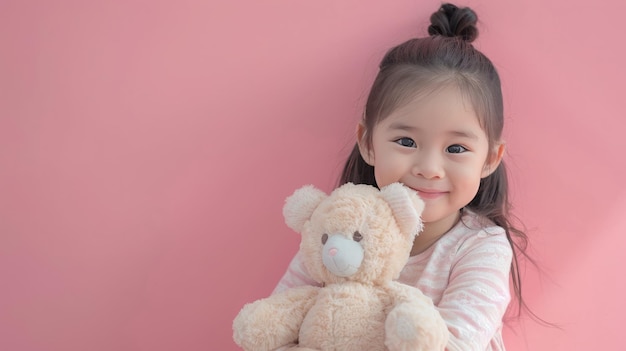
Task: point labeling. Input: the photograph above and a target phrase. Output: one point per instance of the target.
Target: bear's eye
(357, 236)
(324, 238)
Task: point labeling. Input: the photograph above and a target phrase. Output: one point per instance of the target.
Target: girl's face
(436, 146)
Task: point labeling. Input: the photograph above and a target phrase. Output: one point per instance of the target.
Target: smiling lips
(429, 193)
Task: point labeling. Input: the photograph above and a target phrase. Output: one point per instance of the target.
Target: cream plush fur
(355, 242)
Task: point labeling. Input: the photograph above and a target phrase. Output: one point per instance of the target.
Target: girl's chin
(430, 218)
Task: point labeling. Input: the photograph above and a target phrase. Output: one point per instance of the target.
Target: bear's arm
(275, 321)
(413, 322)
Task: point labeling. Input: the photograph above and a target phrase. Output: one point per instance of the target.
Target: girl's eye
(456, 149)
(406, 142)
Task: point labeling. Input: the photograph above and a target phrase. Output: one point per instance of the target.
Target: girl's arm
(296, 275)
(475, 301)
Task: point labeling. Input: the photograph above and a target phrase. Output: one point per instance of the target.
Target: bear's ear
(300, 206)
(406, 207)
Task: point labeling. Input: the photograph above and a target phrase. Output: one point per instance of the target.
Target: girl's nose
(428, 165)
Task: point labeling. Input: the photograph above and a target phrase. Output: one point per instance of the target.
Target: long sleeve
(477, 295)
(296, 275)
(466, 274)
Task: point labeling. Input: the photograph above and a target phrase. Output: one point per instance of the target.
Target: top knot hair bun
(452, 21)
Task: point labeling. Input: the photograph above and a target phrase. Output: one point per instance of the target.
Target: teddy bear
(354, 242)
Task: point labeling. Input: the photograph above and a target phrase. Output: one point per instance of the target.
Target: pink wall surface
(146, 149)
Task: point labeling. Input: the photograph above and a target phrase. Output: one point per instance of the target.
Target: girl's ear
(494, 159)
(364, 148)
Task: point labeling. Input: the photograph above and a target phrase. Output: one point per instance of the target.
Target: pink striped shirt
(466, 273)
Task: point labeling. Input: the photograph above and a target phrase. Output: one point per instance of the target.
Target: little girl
(433, 121)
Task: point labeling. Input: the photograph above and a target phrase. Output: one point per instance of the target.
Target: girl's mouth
(429, 193)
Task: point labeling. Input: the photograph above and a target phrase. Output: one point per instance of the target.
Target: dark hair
(446, 56)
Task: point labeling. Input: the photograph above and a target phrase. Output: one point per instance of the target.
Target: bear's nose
(342, 256)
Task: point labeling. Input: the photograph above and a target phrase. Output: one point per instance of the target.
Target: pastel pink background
(146, 148)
